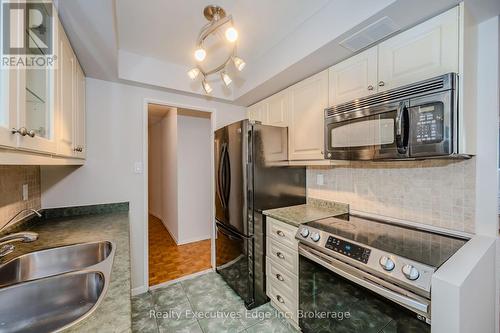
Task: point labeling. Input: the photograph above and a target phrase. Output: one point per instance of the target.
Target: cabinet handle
(280, 299)
(279, 277)
(31, 133)
(22, 131)
(280, 255)
(280, 233)
(78, 149)
(381, 84)
(370, 87)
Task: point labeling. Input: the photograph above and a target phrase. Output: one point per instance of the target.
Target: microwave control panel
(350, 250)
(429, 123)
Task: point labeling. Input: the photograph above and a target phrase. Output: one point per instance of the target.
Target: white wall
(154, 170)
(115, 129)
(194, 175)
(169, 181)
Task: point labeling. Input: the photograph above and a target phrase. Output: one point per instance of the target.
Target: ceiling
(283, 41)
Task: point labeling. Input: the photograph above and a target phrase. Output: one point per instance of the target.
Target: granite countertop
(114, 313)
(315, 209)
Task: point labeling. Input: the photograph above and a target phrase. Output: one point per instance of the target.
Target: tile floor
(203, 304)
(169, 261)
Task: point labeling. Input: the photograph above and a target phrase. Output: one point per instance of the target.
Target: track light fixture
(217, 20)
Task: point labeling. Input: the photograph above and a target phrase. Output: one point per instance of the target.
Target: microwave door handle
(402, 128)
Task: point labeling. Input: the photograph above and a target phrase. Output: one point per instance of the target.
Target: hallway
(169, 261)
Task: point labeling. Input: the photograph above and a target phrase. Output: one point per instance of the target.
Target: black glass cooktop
(422, 246)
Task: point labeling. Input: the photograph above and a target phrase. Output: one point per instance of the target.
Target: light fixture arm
(212, 27)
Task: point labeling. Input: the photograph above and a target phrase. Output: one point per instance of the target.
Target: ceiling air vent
(370, 34)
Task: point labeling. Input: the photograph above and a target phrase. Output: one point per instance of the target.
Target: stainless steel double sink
(52, 289)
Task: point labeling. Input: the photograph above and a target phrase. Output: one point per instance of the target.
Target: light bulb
(239, 63)
(200, 54)
(193, 73)
(231, 34)
(208, 89)
(226, 78)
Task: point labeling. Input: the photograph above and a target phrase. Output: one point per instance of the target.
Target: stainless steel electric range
(363, 275)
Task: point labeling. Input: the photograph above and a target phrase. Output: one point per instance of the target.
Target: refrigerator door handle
(230, 233)
(220, 178)
(226, 176)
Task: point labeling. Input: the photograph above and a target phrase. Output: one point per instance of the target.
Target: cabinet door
(427, 50)
(66, 97)
(308, 99)
(79, 116)
(353, 78)
(37, 105)
(277, 113)
(258, 112)
(8, 107)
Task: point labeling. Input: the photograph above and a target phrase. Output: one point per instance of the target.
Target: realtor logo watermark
(28, 34)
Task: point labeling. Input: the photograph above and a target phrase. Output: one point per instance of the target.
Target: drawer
(282, 300)
(283, 255)
(283, 278)
(282, 232)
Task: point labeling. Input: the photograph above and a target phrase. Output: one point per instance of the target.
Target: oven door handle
(411, 303)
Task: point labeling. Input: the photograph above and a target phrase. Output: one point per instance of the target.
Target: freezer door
(234, 261)
(231, 169)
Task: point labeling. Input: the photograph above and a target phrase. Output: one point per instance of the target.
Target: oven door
(336, 297)
(379, 132)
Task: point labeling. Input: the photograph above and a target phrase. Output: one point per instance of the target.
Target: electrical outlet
(25, 192)
(138, 167)
(320, 179)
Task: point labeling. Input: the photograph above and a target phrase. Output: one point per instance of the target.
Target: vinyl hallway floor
(169, 261)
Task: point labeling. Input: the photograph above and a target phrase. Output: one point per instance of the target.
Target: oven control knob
(386, 263)
(315, 236)
(304, 232)
(410, 272)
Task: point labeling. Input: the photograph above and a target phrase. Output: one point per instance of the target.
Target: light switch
(138, 167)
(25, 192)
(320, 179)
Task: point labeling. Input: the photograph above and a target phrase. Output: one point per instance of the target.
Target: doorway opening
(179, 193)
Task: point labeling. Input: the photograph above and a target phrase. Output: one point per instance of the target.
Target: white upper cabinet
(67, 98)
(277, 110)
(8, 112)
(353, 78)
(427, 50)
(79, 149)
(258, 112)
(308, 100)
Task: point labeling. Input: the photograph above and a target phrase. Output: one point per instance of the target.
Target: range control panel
(350, 250)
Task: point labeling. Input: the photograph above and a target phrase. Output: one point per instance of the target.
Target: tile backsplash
(12, 179)
(435, 192)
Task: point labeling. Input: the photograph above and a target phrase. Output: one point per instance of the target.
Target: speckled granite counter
(114, 313)
(315, 209)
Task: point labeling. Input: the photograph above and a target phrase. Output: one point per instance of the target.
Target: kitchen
(320, 162)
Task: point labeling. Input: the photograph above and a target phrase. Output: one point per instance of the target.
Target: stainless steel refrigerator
(249, 178)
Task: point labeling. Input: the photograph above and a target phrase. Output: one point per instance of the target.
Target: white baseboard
(194, 239)
(183, 278)
(139, 290)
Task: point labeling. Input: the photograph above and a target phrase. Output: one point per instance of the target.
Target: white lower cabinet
(282, 259)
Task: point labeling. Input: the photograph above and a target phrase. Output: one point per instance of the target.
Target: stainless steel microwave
(415, 121)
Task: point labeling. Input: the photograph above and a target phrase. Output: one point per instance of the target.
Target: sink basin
(50, 304)
(53, 261)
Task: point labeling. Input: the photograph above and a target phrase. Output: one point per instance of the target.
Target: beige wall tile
(11, 180)
(434, 192)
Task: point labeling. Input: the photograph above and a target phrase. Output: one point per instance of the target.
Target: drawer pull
(280, 255)
(280, 299)
(280, 233)
(279, 277)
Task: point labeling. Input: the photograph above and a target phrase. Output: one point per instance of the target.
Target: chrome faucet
(24, 236)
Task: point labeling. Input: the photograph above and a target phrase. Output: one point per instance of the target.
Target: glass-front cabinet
(42, 107)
